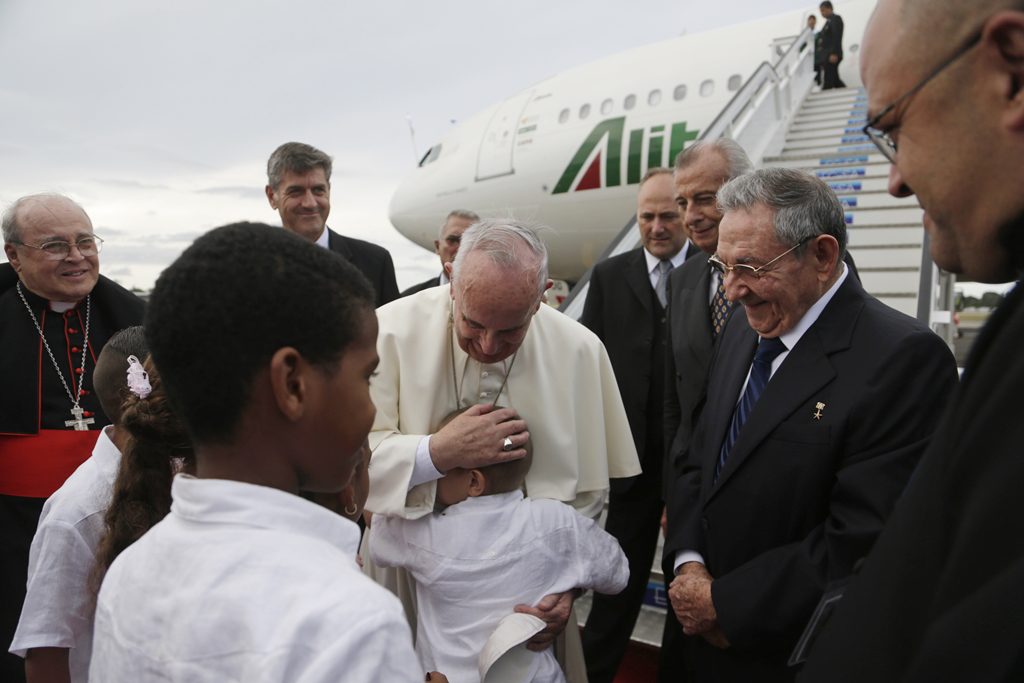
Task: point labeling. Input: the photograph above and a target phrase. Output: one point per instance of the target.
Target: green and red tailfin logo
(598, 161)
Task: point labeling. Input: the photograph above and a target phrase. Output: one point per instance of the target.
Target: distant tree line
(989, 300)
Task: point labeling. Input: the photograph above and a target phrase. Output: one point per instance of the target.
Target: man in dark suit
(820, 401)
(830, 42)
(697, 306)
(626, 308)
(299, 189)
(446, 246)
(939, 598)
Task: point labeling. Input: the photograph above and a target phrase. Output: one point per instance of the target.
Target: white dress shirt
(59, 602)
(247, 583)
(474, 562)
(653, 262)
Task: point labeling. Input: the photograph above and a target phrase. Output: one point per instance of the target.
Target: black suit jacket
(690, 343)
(620, 311)
(372, 260)
(940, 597)
(830, 39)
(801, 499)
(426, 284)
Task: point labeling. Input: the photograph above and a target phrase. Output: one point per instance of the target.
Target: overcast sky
(159, 117)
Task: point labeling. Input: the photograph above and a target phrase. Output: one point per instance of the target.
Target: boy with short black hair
(265, 344)
(55, 630)
(489, 549)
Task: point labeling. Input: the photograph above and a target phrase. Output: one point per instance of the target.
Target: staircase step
(884, 236)
(896, 256)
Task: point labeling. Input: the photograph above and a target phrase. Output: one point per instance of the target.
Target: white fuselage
(569, 151)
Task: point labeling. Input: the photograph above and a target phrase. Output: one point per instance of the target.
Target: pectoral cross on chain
(80, 423)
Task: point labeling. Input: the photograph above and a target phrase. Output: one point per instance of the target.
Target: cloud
(241, 191)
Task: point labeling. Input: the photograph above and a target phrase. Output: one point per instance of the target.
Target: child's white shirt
(59, 602)
(247, 583)
(474, 562)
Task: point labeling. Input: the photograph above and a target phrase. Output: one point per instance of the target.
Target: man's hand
(833, 59)
(475, 438)
(690, 595)
(553, 610)
(664, 522)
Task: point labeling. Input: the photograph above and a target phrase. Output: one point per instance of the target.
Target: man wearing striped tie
(820, 400)
(626, 309)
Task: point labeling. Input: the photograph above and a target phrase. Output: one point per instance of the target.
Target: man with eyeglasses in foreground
(820, 401)
(940, 596)
(56, 313)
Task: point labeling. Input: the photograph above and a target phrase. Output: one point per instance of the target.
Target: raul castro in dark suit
(820, 401)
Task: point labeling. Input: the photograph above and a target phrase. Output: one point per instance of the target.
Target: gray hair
(651, 172)
(508, 244)
(459, 213)
(296, 157)
(736, 159)
(802, 206)
(9, 222)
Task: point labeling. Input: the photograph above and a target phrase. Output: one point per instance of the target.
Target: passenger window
(735, 81)
(606, 106)
(584, 111)
(679, 93)
(629, 102)
(654, 99)
(707, 88)
(563, 116)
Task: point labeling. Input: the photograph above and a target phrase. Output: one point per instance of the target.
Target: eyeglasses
(58, 250)
(883, 138)
(743, 269)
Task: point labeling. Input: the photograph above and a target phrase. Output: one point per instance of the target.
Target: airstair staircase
(886, 240)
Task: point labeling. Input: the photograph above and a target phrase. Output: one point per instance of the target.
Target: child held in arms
(485, 549)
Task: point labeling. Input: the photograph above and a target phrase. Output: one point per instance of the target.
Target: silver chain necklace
(79, 423)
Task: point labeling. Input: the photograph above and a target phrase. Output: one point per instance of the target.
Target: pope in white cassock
(526, 370)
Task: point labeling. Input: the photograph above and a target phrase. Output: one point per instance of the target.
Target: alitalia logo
(598, 161)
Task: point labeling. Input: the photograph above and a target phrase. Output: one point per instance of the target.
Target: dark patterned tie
(720, 308)
(661, 286)
(760, 372)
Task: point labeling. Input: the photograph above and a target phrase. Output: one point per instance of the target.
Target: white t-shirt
(59, 604)
(477, 560)
(247, 583)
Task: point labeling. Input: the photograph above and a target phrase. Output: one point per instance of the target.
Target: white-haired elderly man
(524, 370)
(56, 313)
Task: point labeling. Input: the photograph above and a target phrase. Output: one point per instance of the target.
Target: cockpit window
(431, 156)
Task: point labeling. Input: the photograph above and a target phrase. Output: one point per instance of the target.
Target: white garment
(477, 560)
(59, 603)
(561, 383)
(247, 583)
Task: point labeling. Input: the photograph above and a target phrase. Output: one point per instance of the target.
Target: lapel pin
(819, 407)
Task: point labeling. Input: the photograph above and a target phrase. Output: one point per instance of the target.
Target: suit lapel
(697, 314)
(336, 243)
(804, 371)
(638, 278)
(738, 345)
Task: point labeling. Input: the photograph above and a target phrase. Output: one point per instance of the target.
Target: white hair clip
(138, 378)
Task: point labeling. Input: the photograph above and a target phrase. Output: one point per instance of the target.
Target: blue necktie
(760, 373)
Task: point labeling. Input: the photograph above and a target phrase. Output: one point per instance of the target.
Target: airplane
(569, 151)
